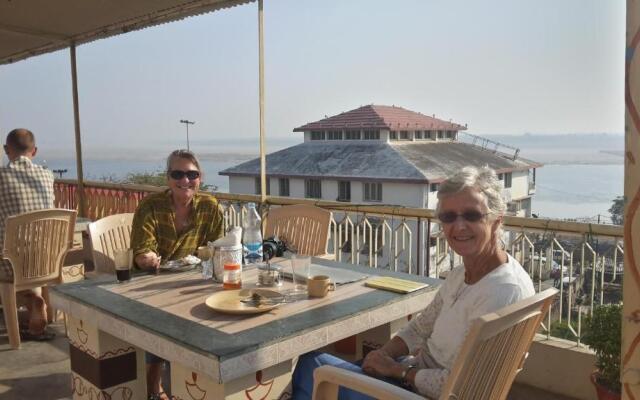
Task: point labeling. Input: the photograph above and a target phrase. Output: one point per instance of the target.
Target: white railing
(584, 261)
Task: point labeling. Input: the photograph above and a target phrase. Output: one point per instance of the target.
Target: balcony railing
(584, 261)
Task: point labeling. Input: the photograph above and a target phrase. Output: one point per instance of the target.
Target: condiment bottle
(232, 276)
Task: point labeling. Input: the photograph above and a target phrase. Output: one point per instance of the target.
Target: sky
(501, 66)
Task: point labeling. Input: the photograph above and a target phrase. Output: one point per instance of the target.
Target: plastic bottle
(252, 236)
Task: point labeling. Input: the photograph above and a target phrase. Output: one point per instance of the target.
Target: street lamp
(186, 122)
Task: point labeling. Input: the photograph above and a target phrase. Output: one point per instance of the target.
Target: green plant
(156, 178)
(603, 331)
(561, 330)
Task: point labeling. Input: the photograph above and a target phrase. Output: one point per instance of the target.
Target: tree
(617, 210)
(157, 178)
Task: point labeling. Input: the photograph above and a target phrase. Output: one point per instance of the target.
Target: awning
(32, 27)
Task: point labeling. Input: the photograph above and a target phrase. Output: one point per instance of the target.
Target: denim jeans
(302, 384)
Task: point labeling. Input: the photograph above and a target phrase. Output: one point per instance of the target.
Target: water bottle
(252, 236)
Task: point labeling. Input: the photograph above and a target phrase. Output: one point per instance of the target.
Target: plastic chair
(107, 235)
(304, 228)
(492, 354)
(35, 244)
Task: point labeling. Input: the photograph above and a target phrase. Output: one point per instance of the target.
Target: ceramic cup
(319, 286)
(203, 253)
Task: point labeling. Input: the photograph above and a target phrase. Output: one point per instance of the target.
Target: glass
(123, 259)
(269, 275)
(300, 269)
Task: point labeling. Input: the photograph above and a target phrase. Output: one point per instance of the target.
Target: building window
(352, 135)
(372, 135)
(312, 189)
(393, 135)
(283, 189)
(500, 177)
(417, 134)
(440, 134)
(317, 135)
(334, 135)
(404, 135)
(344, 191)
(434, 187)
(451, 134)
(427, 134)
(507, 180)
(372, 191)
(257, 185)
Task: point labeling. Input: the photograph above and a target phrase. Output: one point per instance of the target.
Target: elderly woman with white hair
(470, 209)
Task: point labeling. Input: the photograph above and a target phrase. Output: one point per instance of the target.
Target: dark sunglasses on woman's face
(450, 217)
(177, 174)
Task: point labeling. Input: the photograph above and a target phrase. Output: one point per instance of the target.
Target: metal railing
(584, 261)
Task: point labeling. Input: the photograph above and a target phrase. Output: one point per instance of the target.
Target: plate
(228, 301)
(183, 264)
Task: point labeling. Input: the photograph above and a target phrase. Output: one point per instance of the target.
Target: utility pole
(186, 122)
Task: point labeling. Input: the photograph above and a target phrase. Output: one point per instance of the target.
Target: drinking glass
(123, 259)
(301, 269)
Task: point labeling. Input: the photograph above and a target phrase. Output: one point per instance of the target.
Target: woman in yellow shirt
(171, 225)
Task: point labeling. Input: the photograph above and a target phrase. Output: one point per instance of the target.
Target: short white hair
(484, 180)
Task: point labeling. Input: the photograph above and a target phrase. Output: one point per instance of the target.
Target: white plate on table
(183, 264)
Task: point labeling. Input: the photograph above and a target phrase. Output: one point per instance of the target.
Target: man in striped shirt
(24, 187)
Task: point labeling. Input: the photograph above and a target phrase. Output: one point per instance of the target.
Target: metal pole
(186, 122)
(263, 180)
(428, 240)
(76, 121)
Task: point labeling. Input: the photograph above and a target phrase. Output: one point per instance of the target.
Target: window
(344, 191)
(372, 191)
(352, 135)
(440, 134)
(404, 135)
(507, 180)
(334, 135)
(317, 135)
(372, 135)
(283, 189)
(427, 134)
(500, 177)
(257, 185)
(434, 187)
(417, 134)
(451, 134)
(312, 189)
(393, 135)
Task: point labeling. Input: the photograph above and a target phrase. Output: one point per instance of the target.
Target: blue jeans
(302, 384)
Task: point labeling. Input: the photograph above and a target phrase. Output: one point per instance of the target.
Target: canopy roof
(33, 27)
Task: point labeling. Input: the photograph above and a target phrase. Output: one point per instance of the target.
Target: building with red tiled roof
(383, 154)
(391, 118)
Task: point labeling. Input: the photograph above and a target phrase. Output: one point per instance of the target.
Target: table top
(168, 311)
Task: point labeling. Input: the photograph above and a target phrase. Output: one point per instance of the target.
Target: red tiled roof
(381, 117)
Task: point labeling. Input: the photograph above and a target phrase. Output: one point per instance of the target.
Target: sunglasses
(191, 175)
(450, 217)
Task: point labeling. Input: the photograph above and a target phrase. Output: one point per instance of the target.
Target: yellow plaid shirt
(153, 226)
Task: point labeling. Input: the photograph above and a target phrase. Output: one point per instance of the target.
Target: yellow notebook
(395, 284)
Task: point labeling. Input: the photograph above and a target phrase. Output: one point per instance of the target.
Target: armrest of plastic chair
(327, 256)
(327, 379)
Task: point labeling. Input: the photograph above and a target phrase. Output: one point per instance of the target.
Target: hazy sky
(501, 66)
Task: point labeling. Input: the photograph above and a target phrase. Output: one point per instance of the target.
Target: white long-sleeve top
(437, 333)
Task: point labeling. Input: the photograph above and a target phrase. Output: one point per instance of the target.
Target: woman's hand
(379, 363)
(148, 261)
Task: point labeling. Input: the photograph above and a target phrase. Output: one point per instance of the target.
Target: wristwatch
(403, 376)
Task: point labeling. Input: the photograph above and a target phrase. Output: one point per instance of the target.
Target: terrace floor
(40, 370)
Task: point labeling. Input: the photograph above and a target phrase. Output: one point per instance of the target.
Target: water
(581, 176)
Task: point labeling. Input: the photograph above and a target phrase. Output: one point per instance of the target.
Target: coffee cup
(319, 286)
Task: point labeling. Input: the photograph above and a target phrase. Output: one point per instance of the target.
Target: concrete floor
(40, 370)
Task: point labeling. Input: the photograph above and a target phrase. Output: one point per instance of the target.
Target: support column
(76, 123)
(631, 286)
(103, 366)
(263, 180)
